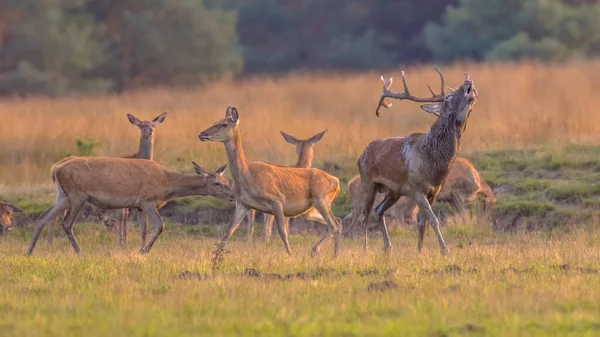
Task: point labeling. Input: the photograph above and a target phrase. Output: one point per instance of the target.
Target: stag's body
(6, 211)
(415, 166)
(305, 151)
(145, 151)
(463, 184)
(277, 190)
(115, 183)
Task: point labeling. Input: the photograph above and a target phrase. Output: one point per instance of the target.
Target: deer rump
(287, 184)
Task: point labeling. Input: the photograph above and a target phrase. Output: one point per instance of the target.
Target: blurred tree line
(55, 47)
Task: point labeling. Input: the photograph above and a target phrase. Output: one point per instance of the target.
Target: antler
(406, 94)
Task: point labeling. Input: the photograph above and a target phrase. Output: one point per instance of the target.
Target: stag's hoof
(444, 251)
(144, 251)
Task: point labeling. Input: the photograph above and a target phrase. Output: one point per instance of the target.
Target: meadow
(533, 134)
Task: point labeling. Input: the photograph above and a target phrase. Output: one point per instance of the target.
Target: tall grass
(522, 104)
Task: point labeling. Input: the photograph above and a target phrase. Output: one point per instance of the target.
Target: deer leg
(68, 222)
(389, 200)
(51, 225)
(251, 214)
(277, 209)
(369, 199)
(421, 222)
(59, 206)
(143, 223)
(425, 207)
(268, 226)
(335, 227)
(154, 218)
(123, 226)
(238, 216)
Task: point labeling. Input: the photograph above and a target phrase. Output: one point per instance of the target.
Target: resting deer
(415, 166)
(115, 183)
(277, 190)
(6, 211)
(305, 151)
(463, 184)
(145, 151)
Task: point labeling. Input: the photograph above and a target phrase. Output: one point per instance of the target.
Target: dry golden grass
(520, 105)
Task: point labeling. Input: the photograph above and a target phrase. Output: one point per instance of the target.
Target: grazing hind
(415, 166)
(115, 183)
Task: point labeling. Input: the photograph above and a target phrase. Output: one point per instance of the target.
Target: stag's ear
(221, 169)
(316, 137)
(11, 208)
(288, 138)
(199, 169)
(234, 115)
(160, 118)
(432, 108)
(134, 120)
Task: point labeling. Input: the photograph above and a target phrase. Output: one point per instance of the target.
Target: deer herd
(405, 175)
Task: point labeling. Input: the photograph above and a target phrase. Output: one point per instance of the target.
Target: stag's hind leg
(425, 208)
(389, 200)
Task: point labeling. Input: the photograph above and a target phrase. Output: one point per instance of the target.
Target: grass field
(538, 284)
(534, 135)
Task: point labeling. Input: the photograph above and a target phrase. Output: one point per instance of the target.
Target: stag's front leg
(369, 200)
(425, 207)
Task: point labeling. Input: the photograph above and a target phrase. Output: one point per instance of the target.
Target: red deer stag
(415, 166)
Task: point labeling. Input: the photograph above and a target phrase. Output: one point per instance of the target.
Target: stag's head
(147, 127)
(455, 106)
(6, 211)
(214, 183)
(224, 129)
(305, 145)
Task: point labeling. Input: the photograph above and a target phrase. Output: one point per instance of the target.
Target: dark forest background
(58, 47)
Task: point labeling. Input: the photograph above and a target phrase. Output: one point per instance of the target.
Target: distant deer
(463, 184)
(115, 183)
(415, 166)
(145, 151)
(305, 151)
(277, 190)
(6, 211)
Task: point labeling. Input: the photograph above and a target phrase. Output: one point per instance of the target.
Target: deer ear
(199, 169)
(134, 120)
(432, 108)
(316, 137)
(234, 117)
(288, 138)
(221, 169)
(11, 208)
(160, 118)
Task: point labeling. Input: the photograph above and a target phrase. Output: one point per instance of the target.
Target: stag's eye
(217, 183)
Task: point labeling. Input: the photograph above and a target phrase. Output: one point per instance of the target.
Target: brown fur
(115, 183)
(277, 190)
(415, 166)
(305, 151)
(463, 184)
(145, 151)
(6, 211)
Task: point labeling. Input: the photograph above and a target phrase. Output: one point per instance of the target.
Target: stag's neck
(146, 149)
(183, 185)
(442, 143)
(238, 164)
(305, 158)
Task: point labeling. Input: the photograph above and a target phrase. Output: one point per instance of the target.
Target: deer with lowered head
(272, 189)
(463, 184)
(305, 152)
(116, 183)
(145, 151)
(415, 166)
(6, 211)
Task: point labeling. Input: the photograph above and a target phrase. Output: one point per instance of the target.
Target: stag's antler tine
(430, 90)
(381, 100)
(467, 77)
(442, 80)
(406, 91)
